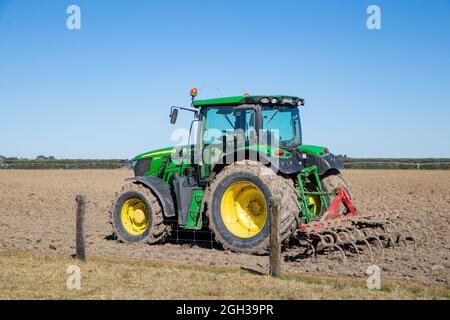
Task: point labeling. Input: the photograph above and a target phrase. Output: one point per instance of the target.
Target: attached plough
(344, 232)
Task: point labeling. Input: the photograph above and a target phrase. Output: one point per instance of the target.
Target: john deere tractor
(248, 151)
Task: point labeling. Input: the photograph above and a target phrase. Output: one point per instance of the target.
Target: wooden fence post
(80, 235)
(275, 239)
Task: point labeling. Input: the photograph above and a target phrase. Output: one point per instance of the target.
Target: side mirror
(173, 116)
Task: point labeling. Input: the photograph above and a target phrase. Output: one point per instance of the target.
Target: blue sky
(105, 91)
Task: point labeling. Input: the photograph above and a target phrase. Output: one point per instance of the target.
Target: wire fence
(200, 238)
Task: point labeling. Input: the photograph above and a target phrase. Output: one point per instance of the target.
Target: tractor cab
(252, 123)
(272, 120)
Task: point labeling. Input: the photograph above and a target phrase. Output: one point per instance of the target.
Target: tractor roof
(237, 100)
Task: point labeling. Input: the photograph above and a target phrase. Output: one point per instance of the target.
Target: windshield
(227, 122)
(281, 126)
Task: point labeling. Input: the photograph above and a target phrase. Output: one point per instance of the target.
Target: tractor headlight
(274, 100)
(265, 100)
(133, 163)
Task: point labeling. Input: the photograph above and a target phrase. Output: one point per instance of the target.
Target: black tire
(332, 181)
(271, 185)
(156, 230)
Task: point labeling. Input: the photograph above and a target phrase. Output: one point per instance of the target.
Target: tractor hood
(316, 151)
(152, 162)
(155, 153)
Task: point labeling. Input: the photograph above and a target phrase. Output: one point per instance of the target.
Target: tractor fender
(324, 164)
(161, 190)
(284, 165)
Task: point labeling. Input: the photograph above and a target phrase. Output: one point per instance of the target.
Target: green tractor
(248, 151)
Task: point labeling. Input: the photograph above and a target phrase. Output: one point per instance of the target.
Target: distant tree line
(45, 158)
(50, 162)
(41, 157)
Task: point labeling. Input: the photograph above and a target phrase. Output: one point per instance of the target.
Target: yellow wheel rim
(134, 216)
(314, 200)
(243, 209)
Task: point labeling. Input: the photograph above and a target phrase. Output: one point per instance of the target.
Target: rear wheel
(238, 206)
(333, 181)
(137, 216)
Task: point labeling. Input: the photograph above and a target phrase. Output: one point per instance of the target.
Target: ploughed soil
(37, 211)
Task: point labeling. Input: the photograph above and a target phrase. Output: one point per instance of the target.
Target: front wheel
(238, 206)
(137, 216)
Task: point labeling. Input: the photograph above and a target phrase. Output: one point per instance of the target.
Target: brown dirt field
(37, 210)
